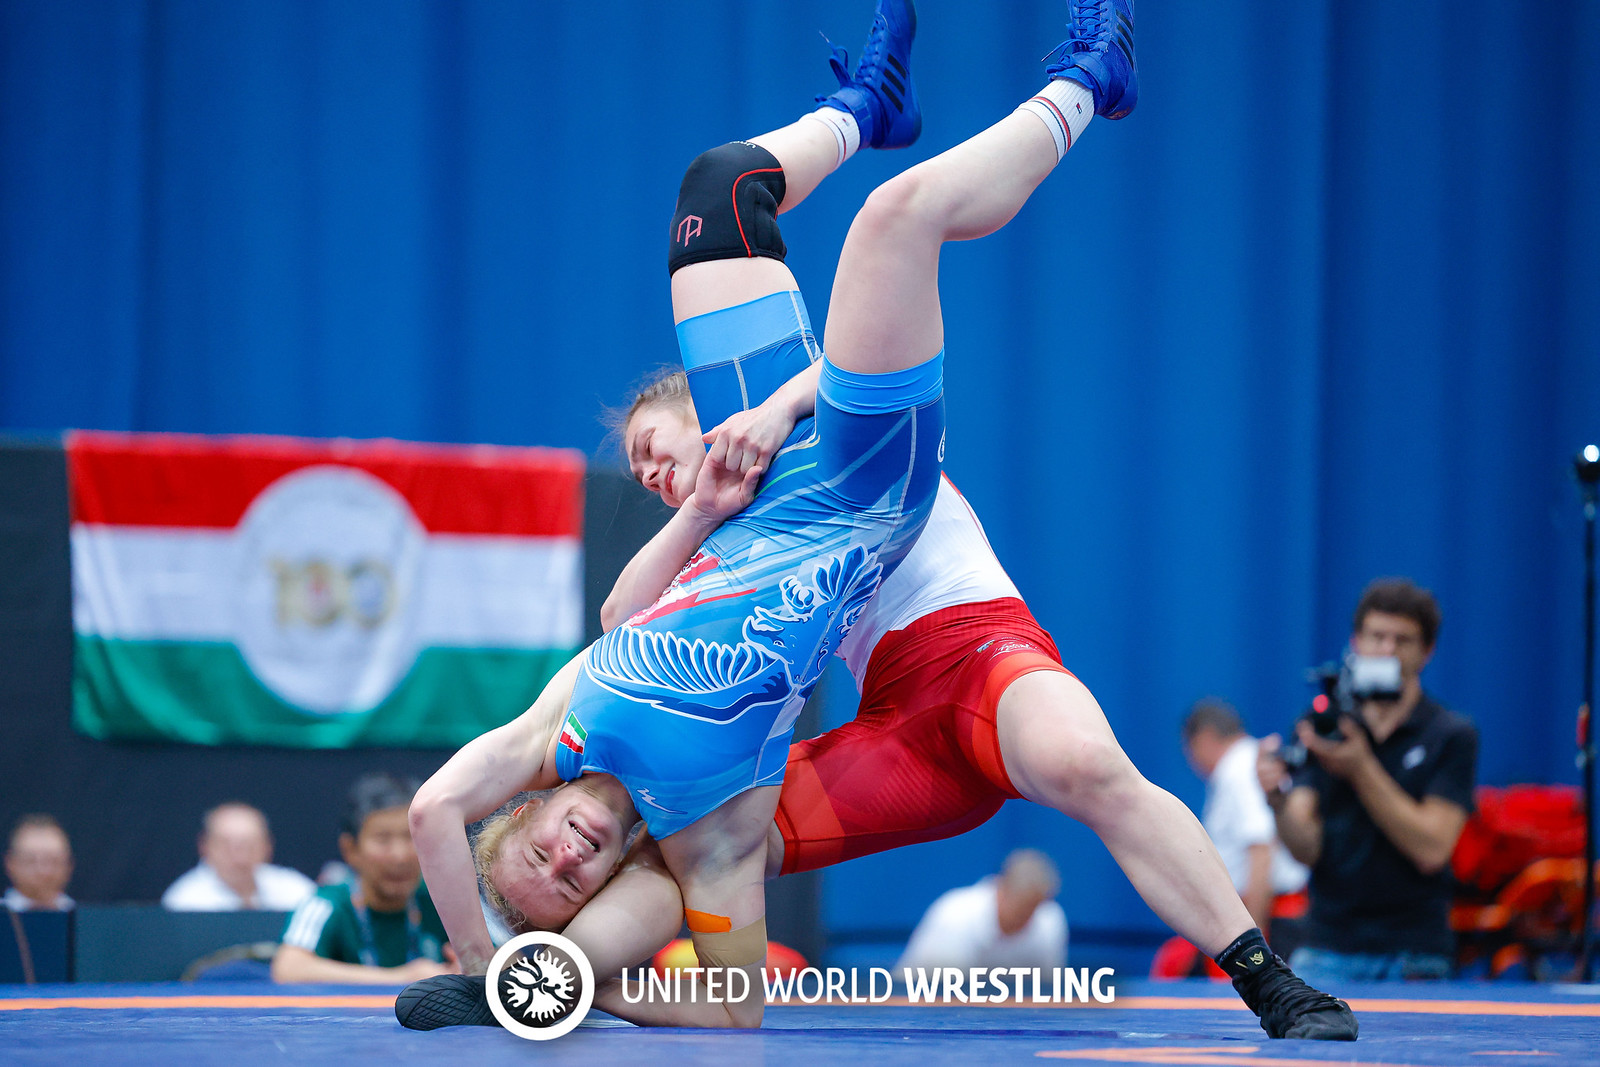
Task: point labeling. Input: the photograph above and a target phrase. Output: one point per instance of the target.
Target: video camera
(1345, 687)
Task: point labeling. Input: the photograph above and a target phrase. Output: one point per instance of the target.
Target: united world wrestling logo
(540, 985)
(540, 988)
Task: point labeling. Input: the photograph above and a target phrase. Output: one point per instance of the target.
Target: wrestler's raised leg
(726, 249)
(885, 313)
(726, 257)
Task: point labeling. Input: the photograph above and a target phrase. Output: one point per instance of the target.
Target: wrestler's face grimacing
(665, 450)
(559, 857)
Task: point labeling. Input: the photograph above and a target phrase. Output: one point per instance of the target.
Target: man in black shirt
(1376, 812)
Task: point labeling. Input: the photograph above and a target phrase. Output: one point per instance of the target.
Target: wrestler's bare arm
(654, 566)
(637, 913)
(486, 773)
(719, 862)
(741, 449)
(634, 917)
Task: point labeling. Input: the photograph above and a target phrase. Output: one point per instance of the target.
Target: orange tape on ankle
(743, 947)
(703, 922)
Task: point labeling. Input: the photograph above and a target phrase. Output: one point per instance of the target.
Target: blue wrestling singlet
(693, 700)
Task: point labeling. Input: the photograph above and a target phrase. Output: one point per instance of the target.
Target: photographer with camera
(1382, 791)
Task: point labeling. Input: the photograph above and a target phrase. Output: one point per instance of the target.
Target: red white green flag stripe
(318, 593)
(573, 735)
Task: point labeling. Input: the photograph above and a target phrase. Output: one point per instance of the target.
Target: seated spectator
(1008, 921)
(233, 874)
(39, 866)
(1236, 814)
(380, 928)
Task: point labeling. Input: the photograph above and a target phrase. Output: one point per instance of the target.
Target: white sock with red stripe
(1065, 107)
(842, 124)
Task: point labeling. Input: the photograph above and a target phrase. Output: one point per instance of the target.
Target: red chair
(1520, 871)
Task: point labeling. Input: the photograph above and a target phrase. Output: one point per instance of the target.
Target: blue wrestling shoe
(881, 94)
(1099, 55)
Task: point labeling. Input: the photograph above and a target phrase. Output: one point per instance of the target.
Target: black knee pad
(728, 207)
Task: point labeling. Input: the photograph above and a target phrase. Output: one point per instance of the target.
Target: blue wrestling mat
(1177, 1023)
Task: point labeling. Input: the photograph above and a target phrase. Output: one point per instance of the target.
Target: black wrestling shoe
(444, 1000)
(1288, 1007)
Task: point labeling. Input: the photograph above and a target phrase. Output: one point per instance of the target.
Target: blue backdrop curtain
(1324, 308)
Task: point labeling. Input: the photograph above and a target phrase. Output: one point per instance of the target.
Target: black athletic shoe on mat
(444, 1000)
(1290, 1008)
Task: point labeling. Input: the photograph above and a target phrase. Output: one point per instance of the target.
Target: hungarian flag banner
(318, 594)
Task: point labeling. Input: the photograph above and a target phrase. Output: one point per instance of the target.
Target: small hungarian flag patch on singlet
(573, 735)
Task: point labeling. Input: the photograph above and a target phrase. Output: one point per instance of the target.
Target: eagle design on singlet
(717, 682)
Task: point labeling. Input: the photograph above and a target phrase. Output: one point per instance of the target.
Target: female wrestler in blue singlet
(683, 714)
